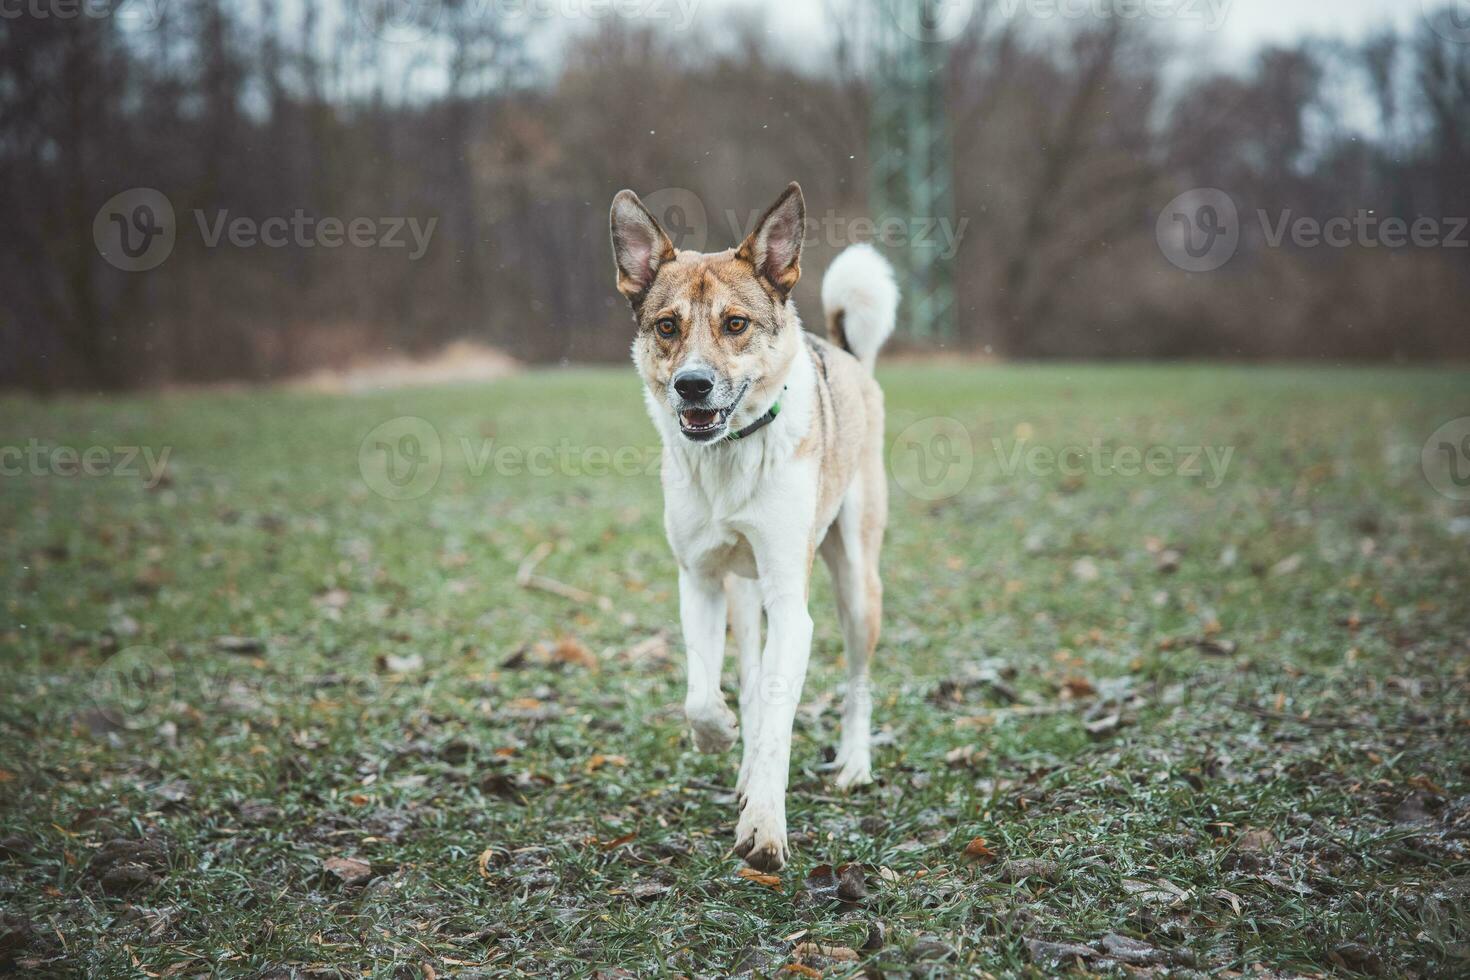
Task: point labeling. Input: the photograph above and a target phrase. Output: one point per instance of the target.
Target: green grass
(1290, 757)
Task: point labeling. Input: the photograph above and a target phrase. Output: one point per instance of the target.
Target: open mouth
(701, 423)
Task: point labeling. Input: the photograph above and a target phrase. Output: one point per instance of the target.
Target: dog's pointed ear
(639, 245)
(774, 248)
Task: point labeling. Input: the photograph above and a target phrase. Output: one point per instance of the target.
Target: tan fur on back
(848, 428)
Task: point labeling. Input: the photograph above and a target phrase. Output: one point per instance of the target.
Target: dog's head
(716, 333)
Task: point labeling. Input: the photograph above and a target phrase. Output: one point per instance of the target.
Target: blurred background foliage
(1069, 139)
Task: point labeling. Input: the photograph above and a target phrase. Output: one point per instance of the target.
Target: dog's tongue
(699, 419)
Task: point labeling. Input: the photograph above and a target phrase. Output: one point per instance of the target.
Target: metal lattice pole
(911, 177)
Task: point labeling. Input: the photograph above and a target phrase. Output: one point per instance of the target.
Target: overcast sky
(1232, 28)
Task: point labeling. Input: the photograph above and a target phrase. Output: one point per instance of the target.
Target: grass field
(260, 719)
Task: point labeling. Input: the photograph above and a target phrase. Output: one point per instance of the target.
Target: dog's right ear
(639, 246)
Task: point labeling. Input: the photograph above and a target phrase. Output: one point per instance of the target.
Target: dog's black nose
(694, 385)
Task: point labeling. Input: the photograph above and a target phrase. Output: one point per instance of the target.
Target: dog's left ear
(774, 248)
(639, 246)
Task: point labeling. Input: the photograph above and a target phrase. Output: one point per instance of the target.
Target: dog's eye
(666, 327)
(736, 324)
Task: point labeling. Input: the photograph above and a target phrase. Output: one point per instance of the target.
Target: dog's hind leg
(743, 597)
(702, 610)
(851, 553)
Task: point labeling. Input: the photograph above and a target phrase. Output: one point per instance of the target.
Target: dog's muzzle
(703, 403)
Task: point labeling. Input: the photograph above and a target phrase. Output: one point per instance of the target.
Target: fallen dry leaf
(1131, 951)
(599, 760)
(750, 874)
(1256, 840)
(1286, 566)
(1022, 868)
(1058, 954)
(978, 850)
(392, 664)
(1213, 647)
(844, 954)
(616, 842)
(964, 756)
(804, 971)
(1079, 687)
(350, 870)
(1155, 892)
(482, 863)
(238, 644)
(846, 883)
(649, 889)
(572, 652)
(1426, 784)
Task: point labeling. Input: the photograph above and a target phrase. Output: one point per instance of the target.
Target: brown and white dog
(773, 452)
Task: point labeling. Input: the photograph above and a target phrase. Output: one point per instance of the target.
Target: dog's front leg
(760, 835)
(702, 610)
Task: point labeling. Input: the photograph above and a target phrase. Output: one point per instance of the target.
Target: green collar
(759, 423)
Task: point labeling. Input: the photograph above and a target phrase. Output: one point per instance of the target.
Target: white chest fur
(717, 496)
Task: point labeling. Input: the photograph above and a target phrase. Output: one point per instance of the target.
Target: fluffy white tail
(860, 299)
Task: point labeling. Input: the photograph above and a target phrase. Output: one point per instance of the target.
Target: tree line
(338, 191)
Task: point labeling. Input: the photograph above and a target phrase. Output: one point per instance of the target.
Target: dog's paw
(760, 837)
(856, 770)
(714, 730)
